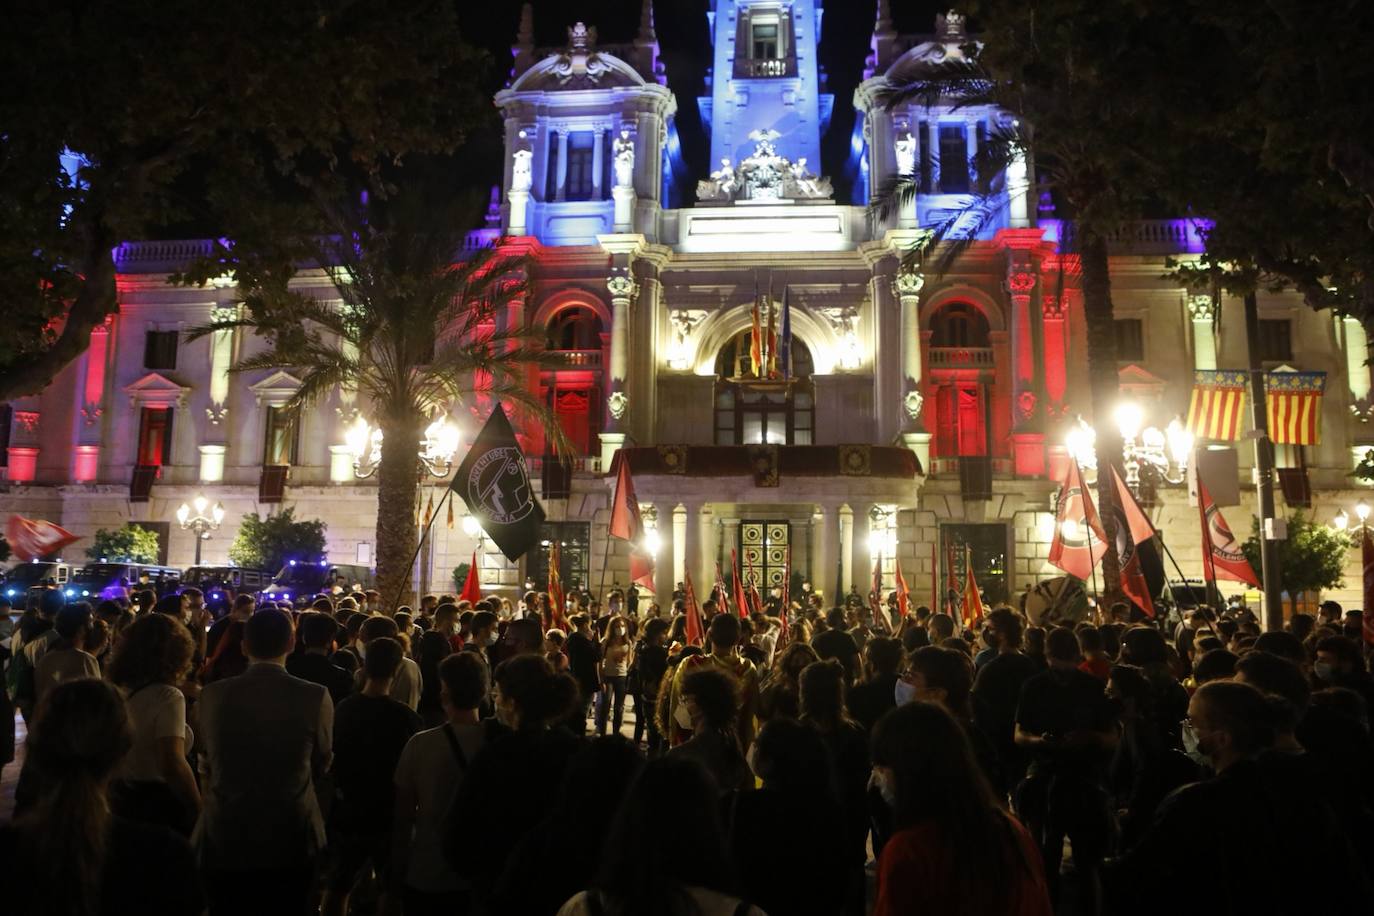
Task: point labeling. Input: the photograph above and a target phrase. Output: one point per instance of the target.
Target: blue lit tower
(765, 77)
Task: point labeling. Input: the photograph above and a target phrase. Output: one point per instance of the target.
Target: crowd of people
(454, 758)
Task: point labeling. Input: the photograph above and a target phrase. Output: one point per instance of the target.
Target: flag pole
(419, 544)
(605, 561)
(1184, 579)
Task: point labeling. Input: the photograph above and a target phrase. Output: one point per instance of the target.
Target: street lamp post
(201, 518)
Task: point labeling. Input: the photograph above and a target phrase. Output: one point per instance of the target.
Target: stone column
(598, 161)
(213, 452)
(679, 544)
(704, 557)
(971, 147)
(1356, 361)
(822, 562)
(1018, 192)
(933, 133)
(561, 173)
(1028, 432)
(846, 516)
(1202, 315)
(907, 285)
(86, 463)
(621, 286)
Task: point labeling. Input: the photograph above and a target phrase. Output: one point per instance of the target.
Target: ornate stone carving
(26, 421)
(623, 149)
(618, 403)
(1202, 308)
(842, 318)
(1052, 307)
(1362, 409)
(91, 413)
(764, 175)
(217, 414)
(1025, 404)
(908, 282)
(1020, 282)
(621, 286)
(223, 314)
(952, 25)
(580, 62)
(912, 403)
(522, 171)
(684, 322)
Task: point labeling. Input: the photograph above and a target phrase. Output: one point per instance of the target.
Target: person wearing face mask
(485, 634)
(505, 792)
(954, 848)
(938, 675)
(1287, 835)
(615, 669)
(710, 701)
(1338, 664)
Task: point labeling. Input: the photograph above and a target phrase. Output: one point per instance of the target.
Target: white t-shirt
(156, 711)
(709, 903)
(429, 770)
(60, 665)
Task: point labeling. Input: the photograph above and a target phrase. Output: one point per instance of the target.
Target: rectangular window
(551, 172)
(1275, 340)
(282, 439)
(960, 421)
(765, 40)
(1130, 340)
(160, 350)
(155, 437)
(581, 151)
(953, 159)
(6, 418)
(924, 167)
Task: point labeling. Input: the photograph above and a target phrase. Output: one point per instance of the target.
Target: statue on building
(623, 149)
(764, 175)
(521, 173)
(905, 148)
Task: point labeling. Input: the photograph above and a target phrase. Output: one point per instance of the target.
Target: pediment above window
(276, 389)
(157, 390)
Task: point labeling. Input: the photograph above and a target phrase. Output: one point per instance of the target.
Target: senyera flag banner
(32, 539)
(1218, 404)
(1293, 402)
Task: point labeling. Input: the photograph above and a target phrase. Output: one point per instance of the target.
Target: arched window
(575, 328)
(959, 324)
(752, 410)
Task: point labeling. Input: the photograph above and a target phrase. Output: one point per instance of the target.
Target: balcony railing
(961, 357)
(749, 68)
(580, 359)
(581, 464)
(1146, 236)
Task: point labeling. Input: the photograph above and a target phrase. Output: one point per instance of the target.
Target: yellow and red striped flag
(1294, 402)
(1217, 404)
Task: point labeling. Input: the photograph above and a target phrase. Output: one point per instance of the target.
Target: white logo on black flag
(495, 484)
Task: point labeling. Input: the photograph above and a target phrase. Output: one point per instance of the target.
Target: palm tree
(1052, 121)
(421, 330)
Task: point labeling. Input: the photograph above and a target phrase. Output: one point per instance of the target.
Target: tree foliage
(423, 328)
(1311, 558)
(268, 543)
(181, 111)
(130, 544)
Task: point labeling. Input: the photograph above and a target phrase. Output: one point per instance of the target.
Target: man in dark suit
(266, 736)
(317, 633)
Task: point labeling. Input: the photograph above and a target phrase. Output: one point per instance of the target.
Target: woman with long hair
(781, 692)
(665, 855)
(616, 649)
(72, 855)
(710, 700)
(156, 783)
(953, 850)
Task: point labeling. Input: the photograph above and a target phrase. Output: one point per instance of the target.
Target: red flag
(642, 568)
(696, 632)
(1079, 541)
(33, 539)
(737, 586)
(903, 593)
(972, 609)
(555, 588)
(875, 595)
(625, 523)
(722, 594)
(1221, 554)
(1132, 530)
(472, 587)
(756, 344)
(1367, 552)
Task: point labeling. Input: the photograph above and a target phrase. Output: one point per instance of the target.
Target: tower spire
(646, 23)
(523, 49)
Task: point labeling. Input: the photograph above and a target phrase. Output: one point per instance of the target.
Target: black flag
(494, 483)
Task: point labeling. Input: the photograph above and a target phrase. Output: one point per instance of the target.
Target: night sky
(685, 45)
